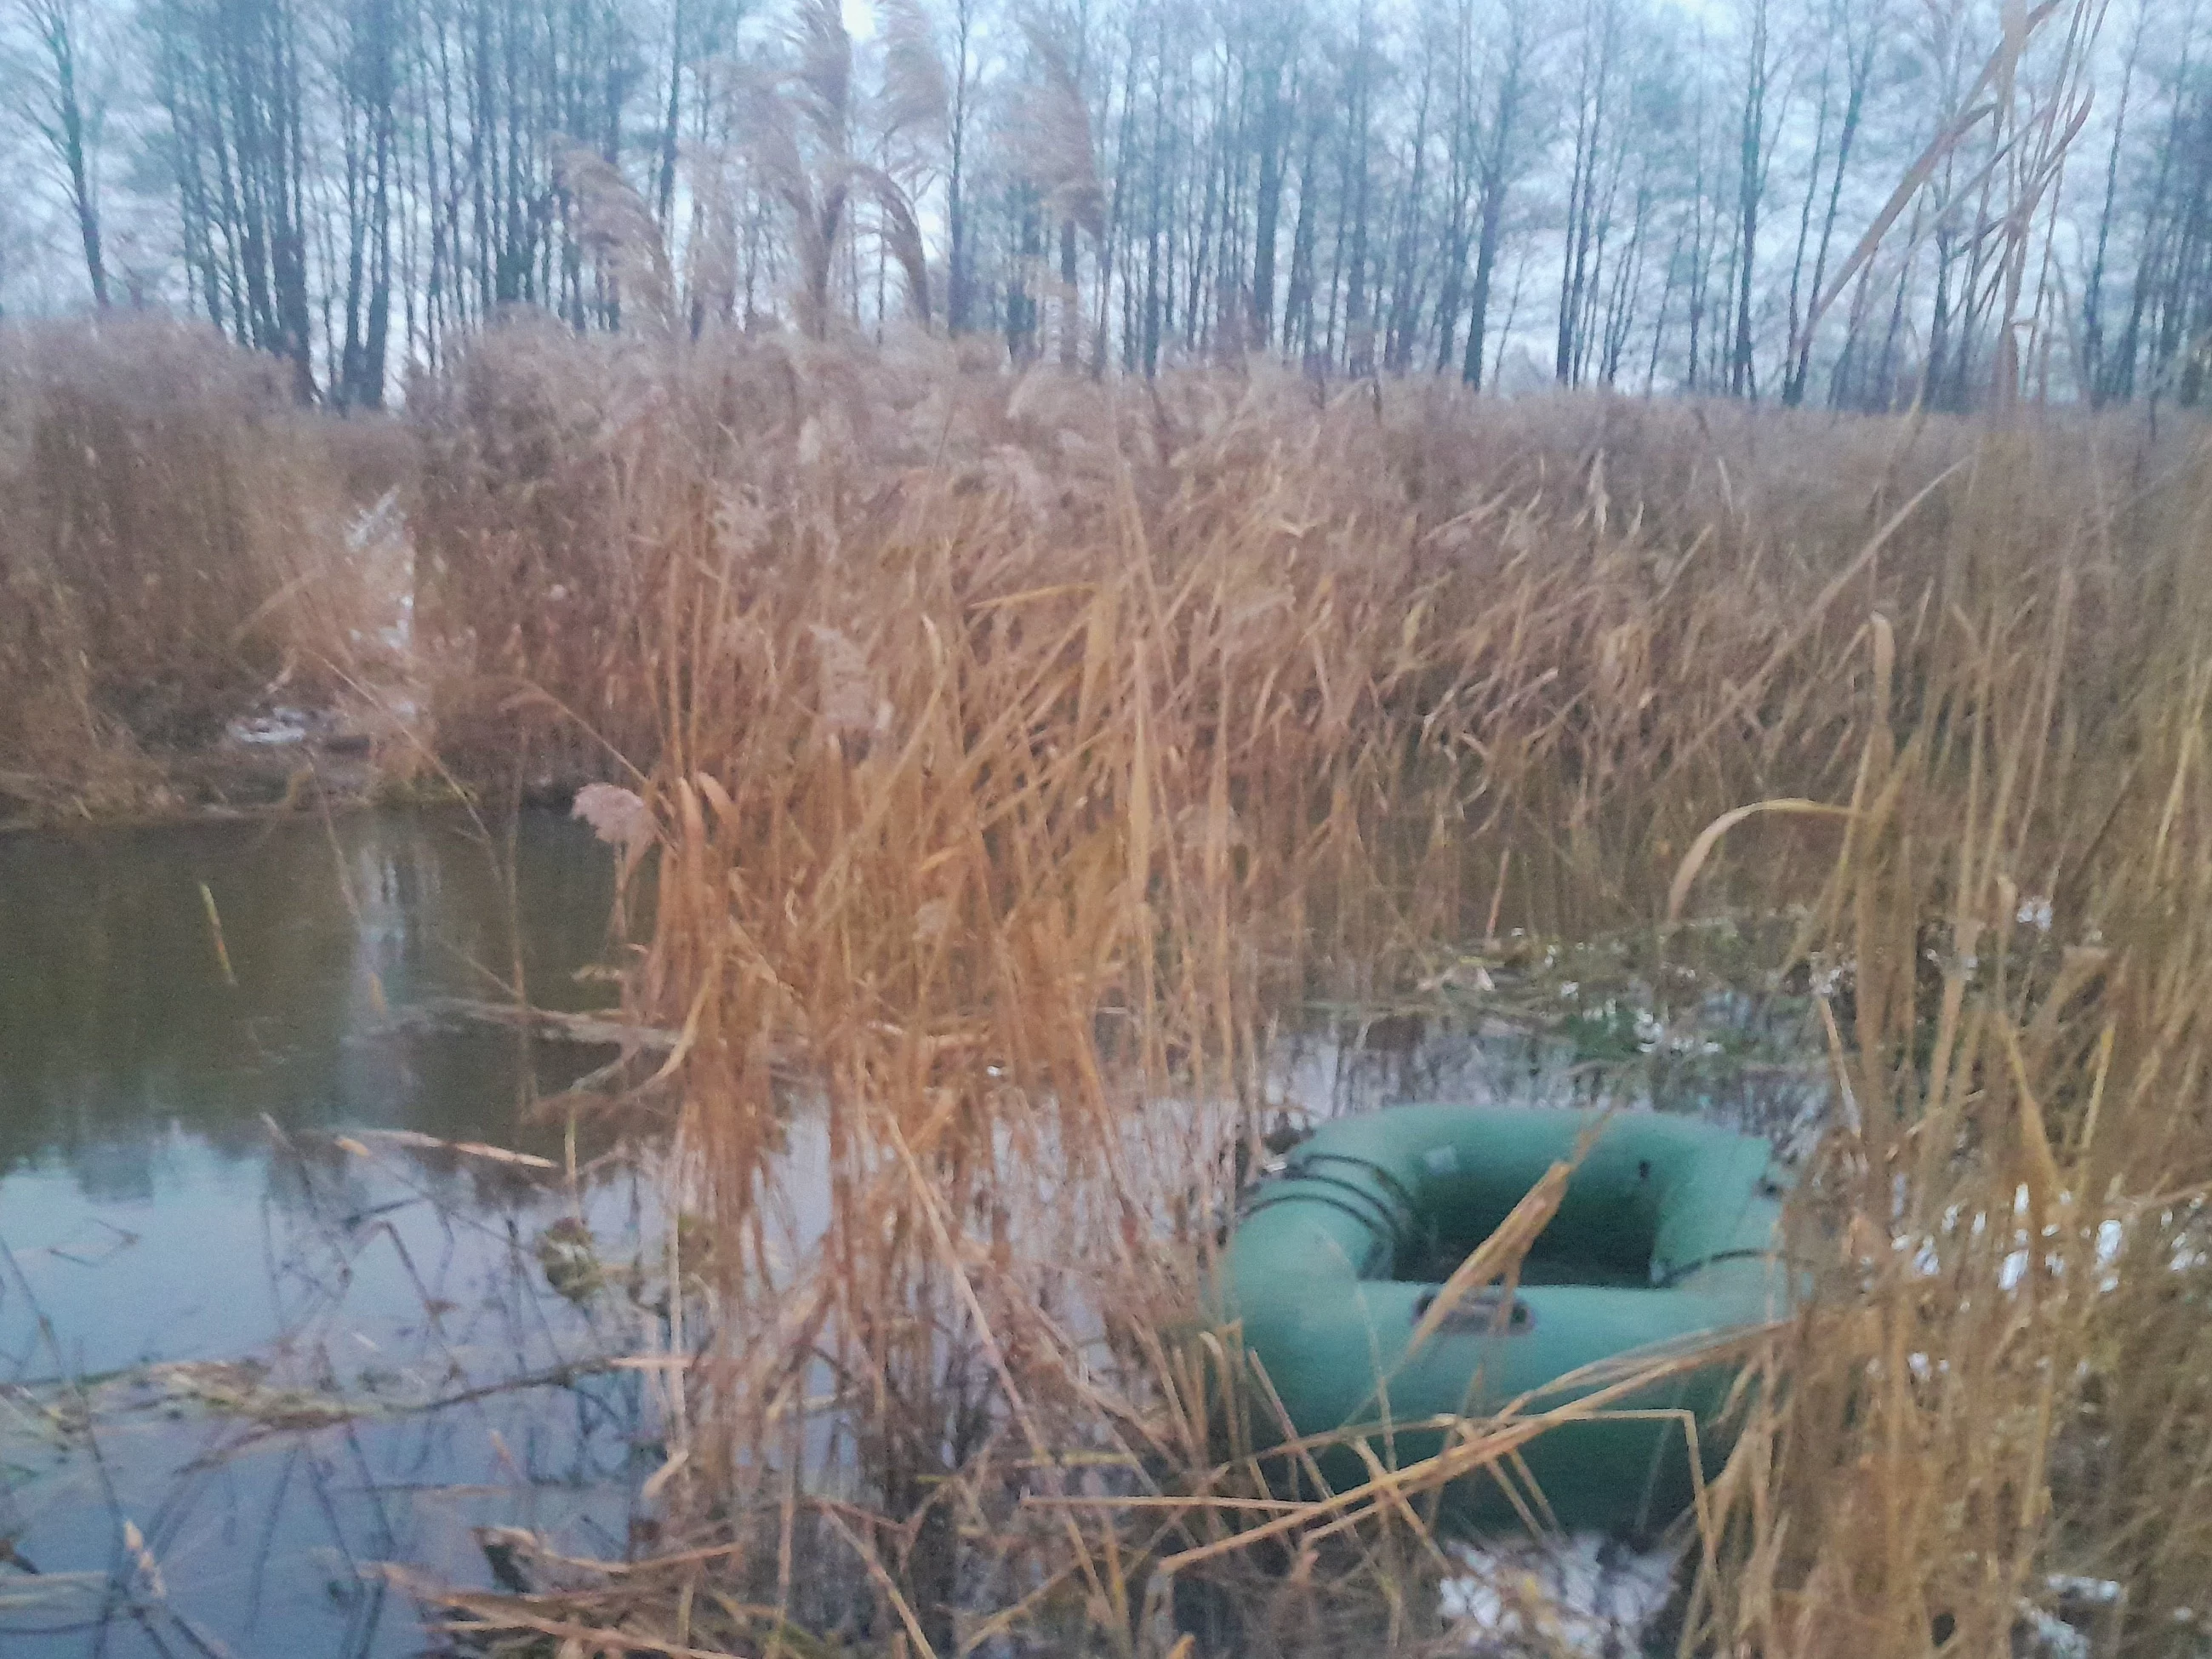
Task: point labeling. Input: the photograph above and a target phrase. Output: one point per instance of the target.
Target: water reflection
(208, 977)
(201, 1070)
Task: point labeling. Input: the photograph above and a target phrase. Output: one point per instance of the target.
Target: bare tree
(1137, 181)
(368, 83)
(231, 77)
(2096, 378)
(967, 81)
(68, 122)
(1273, 78)
(1854, 32)
(1596, 59)
(1502, 152)
(1752, 159)
(1059, 163)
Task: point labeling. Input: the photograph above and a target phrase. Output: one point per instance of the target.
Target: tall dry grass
(172, 545)
(533, 603)
(1021, 754)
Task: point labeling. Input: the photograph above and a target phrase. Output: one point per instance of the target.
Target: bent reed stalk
(1021, 752)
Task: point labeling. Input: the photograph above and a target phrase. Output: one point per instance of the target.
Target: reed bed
(1019, 757)
(172, 551)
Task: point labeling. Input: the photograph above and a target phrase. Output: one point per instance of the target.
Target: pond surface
(271, 1310)
(285, 1231)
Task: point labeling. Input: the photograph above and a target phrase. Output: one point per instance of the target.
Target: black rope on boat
(1675, 1275)
(1385, 1221)
(1381, 1174)
(1272, 1199)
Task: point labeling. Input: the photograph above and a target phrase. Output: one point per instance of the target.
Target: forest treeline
(1862, 202)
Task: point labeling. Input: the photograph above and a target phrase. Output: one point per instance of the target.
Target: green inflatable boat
(1665, 1233)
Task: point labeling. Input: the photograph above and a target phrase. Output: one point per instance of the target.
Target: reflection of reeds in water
(1017, 749)
(117, 1021)
(428, 1375)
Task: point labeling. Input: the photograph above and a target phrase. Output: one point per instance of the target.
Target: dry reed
(171, 547)
(1021, 753)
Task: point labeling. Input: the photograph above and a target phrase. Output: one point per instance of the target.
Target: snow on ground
(1593, 1597)
(1585, 1593)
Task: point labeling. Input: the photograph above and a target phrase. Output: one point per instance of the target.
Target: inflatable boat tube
(1666, 1233)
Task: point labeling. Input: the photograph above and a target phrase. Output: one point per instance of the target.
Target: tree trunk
(63, 123)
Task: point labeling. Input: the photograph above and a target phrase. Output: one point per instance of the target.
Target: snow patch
(1585, 1593)
(280, 727)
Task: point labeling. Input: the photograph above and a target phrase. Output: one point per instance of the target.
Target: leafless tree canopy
(1866, 203)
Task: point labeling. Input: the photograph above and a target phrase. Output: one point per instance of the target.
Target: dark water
(205, 1050)
(226, 1135)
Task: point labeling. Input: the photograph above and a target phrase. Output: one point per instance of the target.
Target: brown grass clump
(171, 545)
(372, 456)
(1021, 754)
(535, 562)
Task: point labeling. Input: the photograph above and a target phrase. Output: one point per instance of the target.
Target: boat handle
(1484, 1312)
